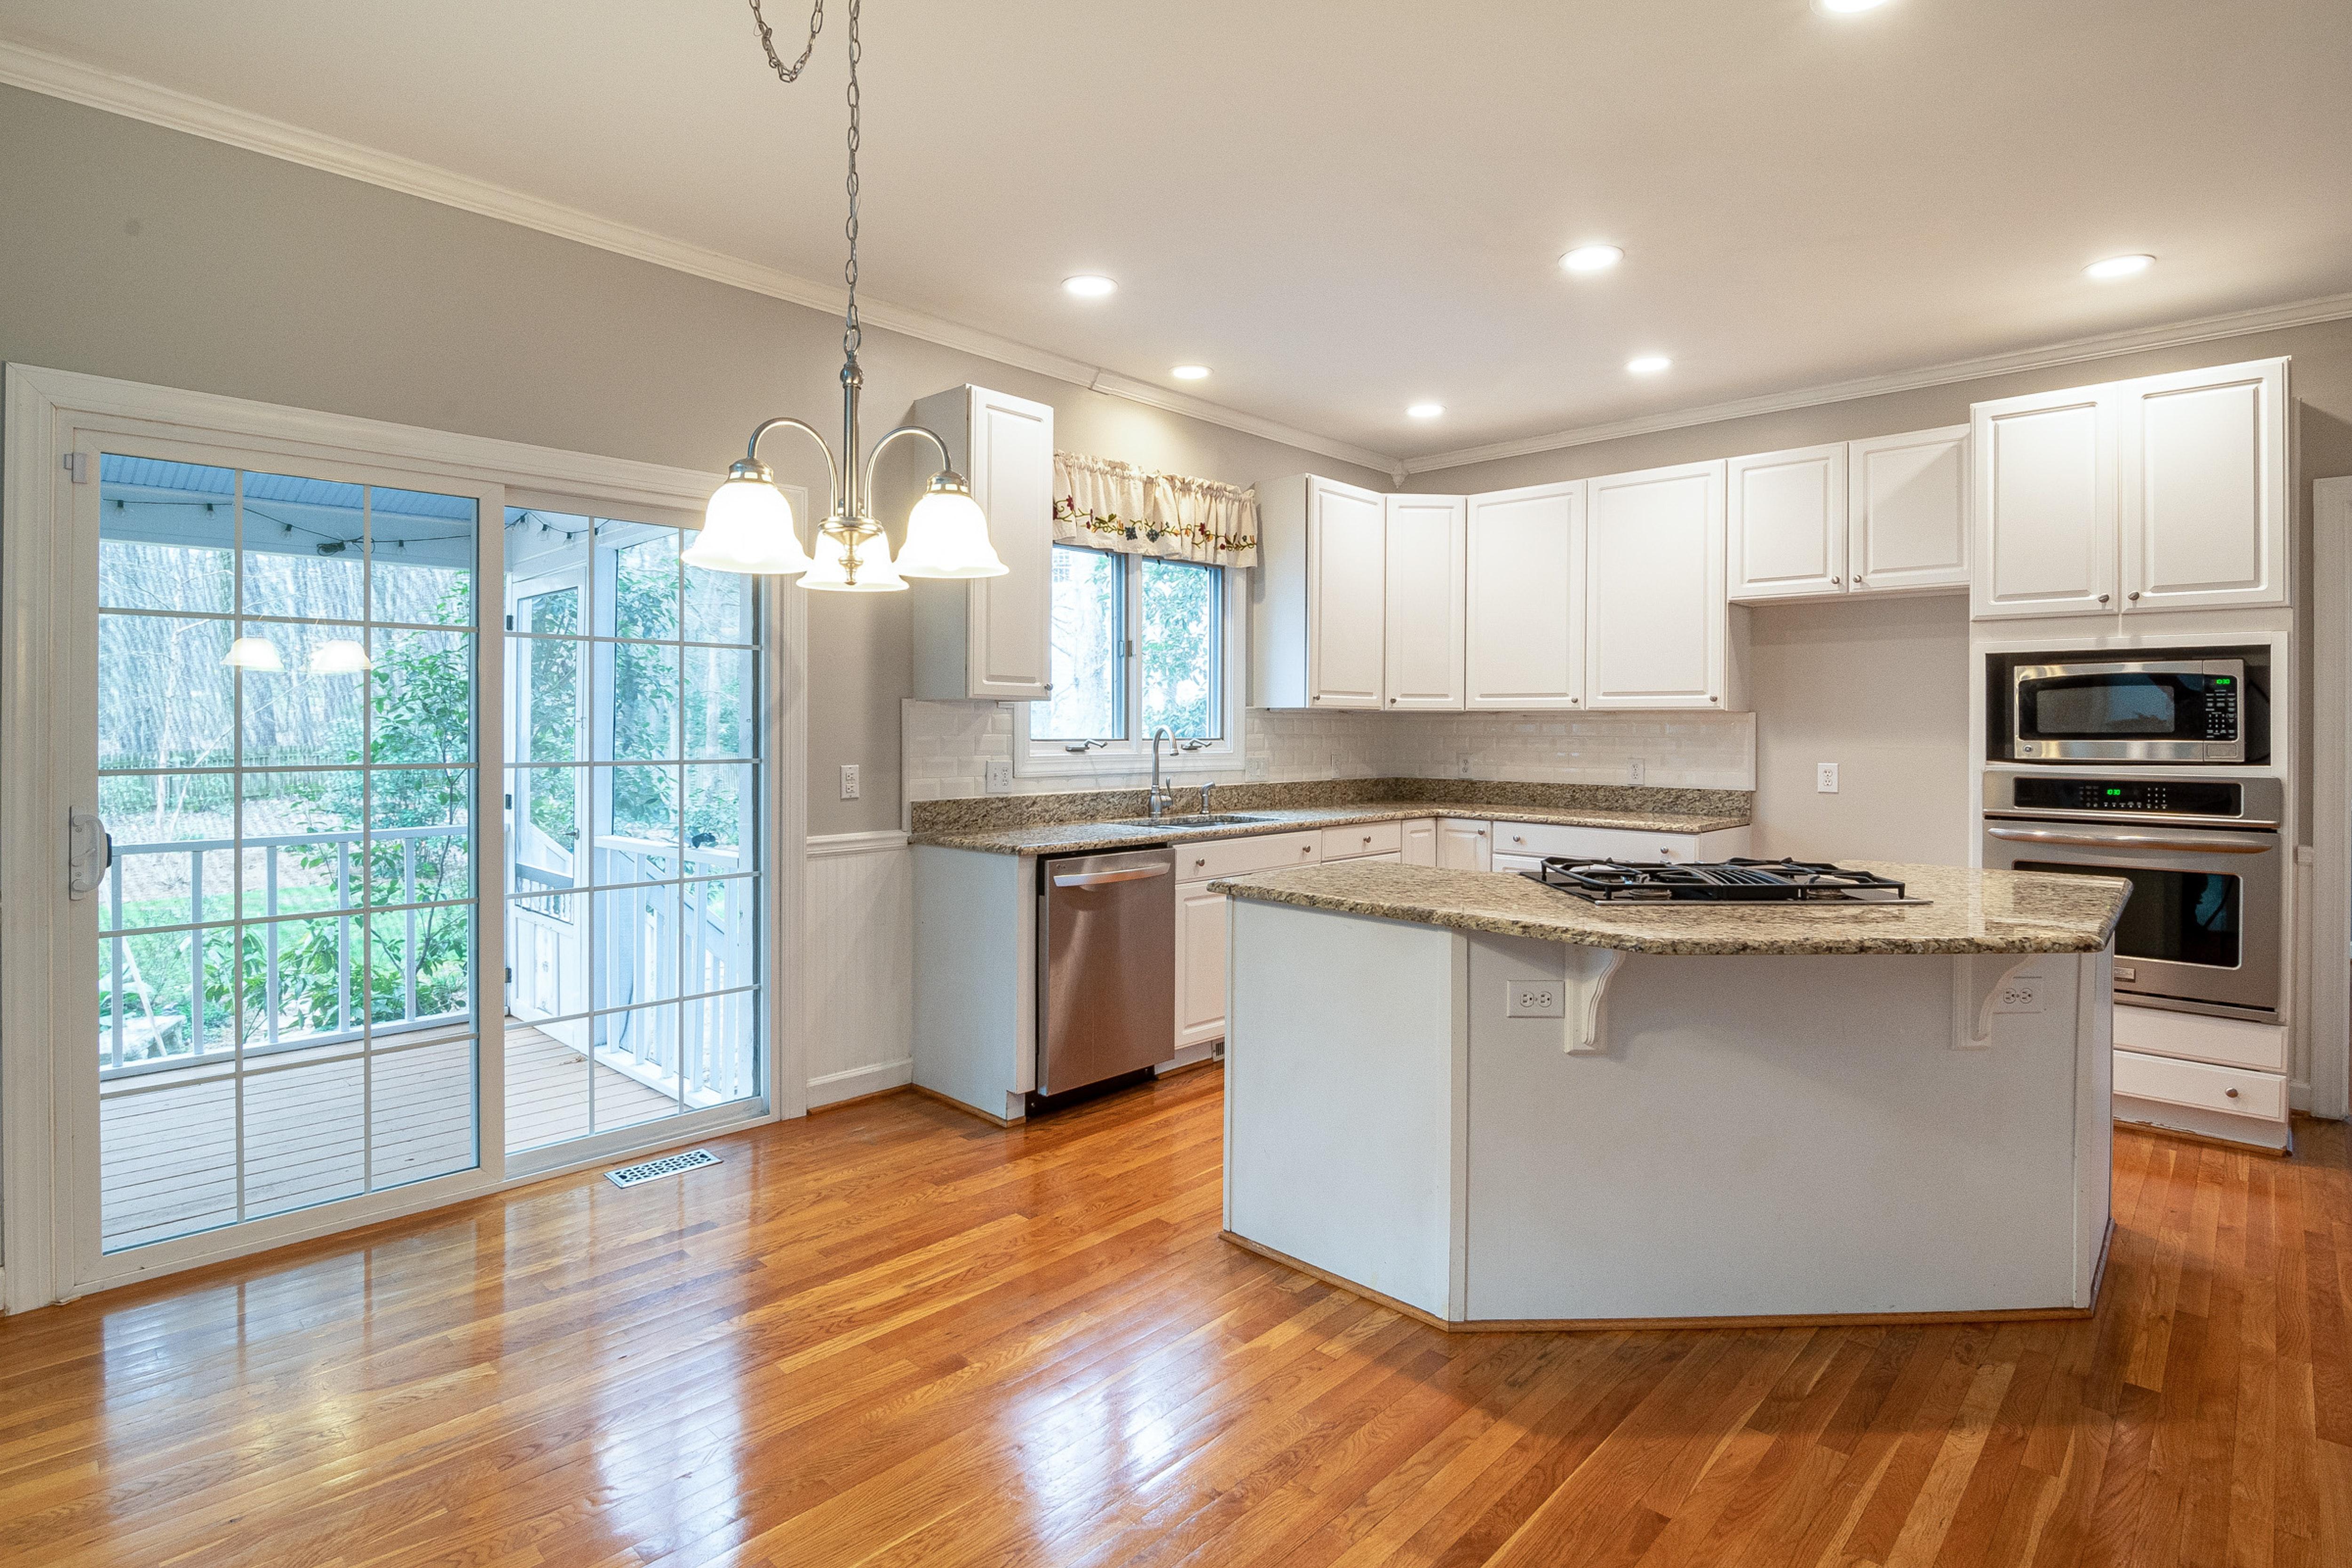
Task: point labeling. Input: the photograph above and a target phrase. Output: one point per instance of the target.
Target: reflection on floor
(547, 1093)
(168, 1140)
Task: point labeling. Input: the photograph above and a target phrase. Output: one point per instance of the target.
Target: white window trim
(1040, 758)
(46, 411)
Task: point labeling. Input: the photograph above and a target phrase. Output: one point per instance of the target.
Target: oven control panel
(2166, 797)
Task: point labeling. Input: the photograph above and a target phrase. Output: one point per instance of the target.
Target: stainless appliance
(2203, 932)
(2142, 706)
(1107, 966)
(1736, 882)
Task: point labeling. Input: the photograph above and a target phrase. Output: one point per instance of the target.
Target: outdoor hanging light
(748, 526)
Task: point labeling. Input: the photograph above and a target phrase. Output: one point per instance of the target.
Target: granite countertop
(1067, 837)
(1968, 911)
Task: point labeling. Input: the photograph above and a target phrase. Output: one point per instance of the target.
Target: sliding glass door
(288, 698)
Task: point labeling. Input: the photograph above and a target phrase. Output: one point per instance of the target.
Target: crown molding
(2204, 329)
(56, 76)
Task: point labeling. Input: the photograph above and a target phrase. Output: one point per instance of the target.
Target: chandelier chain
(850, 335)
(767, 41)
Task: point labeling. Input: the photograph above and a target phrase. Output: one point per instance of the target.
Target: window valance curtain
(1110, 505)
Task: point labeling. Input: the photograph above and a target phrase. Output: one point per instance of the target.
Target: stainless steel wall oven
(2208, 869)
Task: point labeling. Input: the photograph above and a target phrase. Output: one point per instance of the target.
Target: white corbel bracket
(1977, 980)
(1588, 973)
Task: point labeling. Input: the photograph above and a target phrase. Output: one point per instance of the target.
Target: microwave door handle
(2135, 841)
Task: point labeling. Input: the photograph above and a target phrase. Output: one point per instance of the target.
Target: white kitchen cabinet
(1787, 523)
(988, 636)
(1539, 839)
(2203, 491)
(1417, 843)
(1656, 622)
(1318, 598)
(1200, 916)
(1523, 610)
(2166, 492)
(2045, 503)
(1907, 511)
(1422, 625)
(1464, 846)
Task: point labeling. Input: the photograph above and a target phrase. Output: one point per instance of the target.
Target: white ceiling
(1346, 205)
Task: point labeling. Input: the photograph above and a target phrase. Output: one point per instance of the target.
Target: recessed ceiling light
(2119, 266)
(1647, 364)
(1425, 410)
(1090, 286)
(1592, 258)
(1845, 7)
(1190, 373)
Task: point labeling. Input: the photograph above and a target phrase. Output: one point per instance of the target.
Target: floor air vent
(667, 1166)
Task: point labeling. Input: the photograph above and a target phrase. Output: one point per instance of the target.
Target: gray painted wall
(128, 250)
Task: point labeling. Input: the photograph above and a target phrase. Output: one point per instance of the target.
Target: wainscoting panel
(861, 982)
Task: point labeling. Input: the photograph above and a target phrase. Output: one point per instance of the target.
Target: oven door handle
(2214, 846)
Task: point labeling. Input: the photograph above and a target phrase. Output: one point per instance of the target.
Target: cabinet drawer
(1238, 857)
(2230, 1090)
(1364, 838)
(1593, 843)
(2193, 1037)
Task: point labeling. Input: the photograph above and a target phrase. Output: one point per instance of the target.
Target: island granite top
(1967, 911)
(1075, 837)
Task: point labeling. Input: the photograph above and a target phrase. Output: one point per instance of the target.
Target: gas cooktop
(1726, 882)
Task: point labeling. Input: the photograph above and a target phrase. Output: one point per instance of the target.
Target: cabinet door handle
(1836, 581)
(2102, 598)
(1711, 697)
(2134, 597)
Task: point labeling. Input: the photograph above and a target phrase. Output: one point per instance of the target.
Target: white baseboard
(835, 1086)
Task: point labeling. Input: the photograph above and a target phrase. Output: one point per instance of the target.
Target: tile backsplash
(948, 745)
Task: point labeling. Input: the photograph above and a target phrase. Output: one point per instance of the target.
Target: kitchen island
(1495, 1105)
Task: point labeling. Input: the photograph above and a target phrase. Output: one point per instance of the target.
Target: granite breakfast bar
(1495, 1105)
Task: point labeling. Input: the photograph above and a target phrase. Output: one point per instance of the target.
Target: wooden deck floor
(892, 1335)
(168, 1140)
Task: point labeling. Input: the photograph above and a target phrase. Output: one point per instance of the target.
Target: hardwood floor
(894, 1335)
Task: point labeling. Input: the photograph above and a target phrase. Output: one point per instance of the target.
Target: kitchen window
(1139, 642)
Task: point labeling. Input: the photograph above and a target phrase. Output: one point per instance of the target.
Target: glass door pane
(633, 873)
(286, 709)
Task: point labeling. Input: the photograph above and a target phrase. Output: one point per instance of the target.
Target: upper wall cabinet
(1523, 637)
(1656, 625)
(2167, 492)
(2204, 487)
(1788, 522)
(987, 636)
(1318, 597)
(1423, 623)
(1886, 515)
(1907, 512)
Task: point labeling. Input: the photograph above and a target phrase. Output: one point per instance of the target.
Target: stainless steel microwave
(2145, 708)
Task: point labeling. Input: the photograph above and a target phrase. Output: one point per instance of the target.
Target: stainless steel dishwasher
(1107, 966)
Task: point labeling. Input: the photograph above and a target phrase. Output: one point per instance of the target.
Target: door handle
(2135, 841)
(1102, 878)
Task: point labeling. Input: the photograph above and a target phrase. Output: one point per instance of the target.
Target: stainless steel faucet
(1206, 809)
(1162, 795)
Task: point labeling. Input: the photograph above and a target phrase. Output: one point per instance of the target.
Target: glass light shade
(747, 528)
(253, 653)
(340, 657)
(875, 574)
(947, 536)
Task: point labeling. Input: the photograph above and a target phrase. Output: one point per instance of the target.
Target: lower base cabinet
(1466, 845)
(1200, 964)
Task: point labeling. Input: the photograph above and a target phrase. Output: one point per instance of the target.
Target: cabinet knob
(2231, 1092)
(1836, 581)
(2133, 595)
(1711, 697)
(1574, 701)
(1857, 580)
(2102, 598)
(1198, 864)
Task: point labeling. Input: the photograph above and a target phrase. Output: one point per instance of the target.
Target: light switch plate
(999, 775)
(849, 781)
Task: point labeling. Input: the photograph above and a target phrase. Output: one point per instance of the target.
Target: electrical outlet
(1464, 766)
(1534, 999)
(2019, 994)
(849, 781)
(1254, 768)
(1633, 771)
(1825, 777)
(999, 776)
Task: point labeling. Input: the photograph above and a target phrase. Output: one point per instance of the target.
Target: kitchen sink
(1197, 820)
